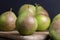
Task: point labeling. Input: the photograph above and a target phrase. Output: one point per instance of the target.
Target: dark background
(52, 6)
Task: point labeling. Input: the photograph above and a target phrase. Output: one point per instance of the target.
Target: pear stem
(10, 9)
(36, 8)
(36, 4)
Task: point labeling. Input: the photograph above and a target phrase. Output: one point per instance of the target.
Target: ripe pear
(54, 29)
(43, 22)
(26, 24)
(42, 18)
(7, 21)
(27, 8)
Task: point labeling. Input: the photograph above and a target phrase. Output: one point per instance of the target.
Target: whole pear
(42, 18)
(7, 21)
(54, 30)
(26, 24)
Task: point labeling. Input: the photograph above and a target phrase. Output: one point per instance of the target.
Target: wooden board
(14, 35)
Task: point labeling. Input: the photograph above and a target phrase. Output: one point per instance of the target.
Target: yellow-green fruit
(43, 22)
(27, 8)
(26, 24)
(54, 30)
(7, 21)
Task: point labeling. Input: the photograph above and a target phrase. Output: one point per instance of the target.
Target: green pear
(43, 22)
(26, 24)
(27, 8)
(42, 18)
(7, 21)
(54, 30)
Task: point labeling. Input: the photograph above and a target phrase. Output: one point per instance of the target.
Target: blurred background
(52, 6)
